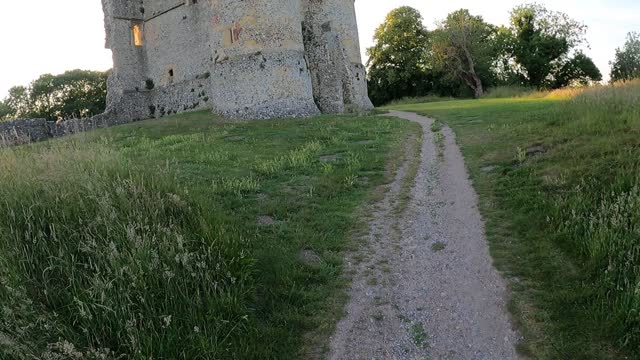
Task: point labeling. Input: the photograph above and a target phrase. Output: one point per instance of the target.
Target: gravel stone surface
(424, 286)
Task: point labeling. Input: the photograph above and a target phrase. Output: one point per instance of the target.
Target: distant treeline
(74, 94)
(464, 55)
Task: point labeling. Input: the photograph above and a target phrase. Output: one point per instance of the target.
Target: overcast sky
(51, 36)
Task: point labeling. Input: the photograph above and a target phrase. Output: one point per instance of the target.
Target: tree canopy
(464, 55)
(464, 48)
(74, 94)
(579, 70)
(18, 102)
(626, 65)
(5, 110)
(398, 60)
(543, 46)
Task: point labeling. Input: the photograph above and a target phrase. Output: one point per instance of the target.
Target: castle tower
(344, 14)
(333, 49)
(259, 66)
(129, 60)
(242, 59)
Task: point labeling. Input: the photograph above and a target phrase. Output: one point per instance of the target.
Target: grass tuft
(300, 158)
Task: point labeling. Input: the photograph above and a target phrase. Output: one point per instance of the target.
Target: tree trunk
(476, 84)
(478, 89)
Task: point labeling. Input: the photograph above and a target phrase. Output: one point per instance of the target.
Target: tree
(626, 65)
(19, 102)
(81, 93)
(5, 111)
(541, 45)
(74, 94)
(463, 46)
(42, 94)
(398, 61)
(579, 70)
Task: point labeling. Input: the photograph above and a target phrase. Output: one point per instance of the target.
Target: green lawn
(189, 237)
(559, 184)
(185, 238)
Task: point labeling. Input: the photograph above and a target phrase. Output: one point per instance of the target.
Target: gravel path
(423, 283)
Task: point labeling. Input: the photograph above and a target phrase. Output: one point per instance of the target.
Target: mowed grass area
(559, 183)
(185, 238)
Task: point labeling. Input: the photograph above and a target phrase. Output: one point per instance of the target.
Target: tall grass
(601, 213)
(295, 159)
(503, 92)
(523, 92)
(101, 260)
(563, 221)
(152, 244)
(419, 100)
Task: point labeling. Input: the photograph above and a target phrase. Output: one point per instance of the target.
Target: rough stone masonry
(253, 59)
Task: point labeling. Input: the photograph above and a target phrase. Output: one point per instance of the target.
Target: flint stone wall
(25, 131)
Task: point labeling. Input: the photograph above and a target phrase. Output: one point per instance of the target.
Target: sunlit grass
(558, 176)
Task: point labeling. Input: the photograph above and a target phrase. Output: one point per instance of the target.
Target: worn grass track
(424, 286)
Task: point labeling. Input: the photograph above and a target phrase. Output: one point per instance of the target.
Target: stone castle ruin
(241, 58)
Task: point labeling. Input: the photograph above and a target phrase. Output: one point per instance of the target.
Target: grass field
(189, 237)
(185, 238)
(559, 182)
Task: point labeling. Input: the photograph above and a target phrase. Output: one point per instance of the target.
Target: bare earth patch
(423, 282)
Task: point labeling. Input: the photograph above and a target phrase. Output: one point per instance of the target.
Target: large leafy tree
(543, 44)
(464, 47)
(5, 110)
(398, 61)
(43, 96)
(579, 70)
(626, 65)
(18, 102)
(74, 94)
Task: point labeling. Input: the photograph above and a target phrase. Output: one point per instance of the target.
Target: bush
(100, 262)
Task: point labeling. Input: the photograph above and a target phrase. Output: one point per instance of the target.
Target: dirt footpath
(423, 283)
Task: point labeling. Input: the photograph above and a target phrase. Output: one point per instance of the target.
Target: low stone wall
(19, 132)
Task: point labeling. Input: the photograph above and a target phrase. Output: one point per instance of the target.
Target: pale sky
(52, 36)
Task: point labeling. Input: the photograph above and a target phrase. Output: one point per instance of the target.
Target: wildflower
(168, 275)
(167, 321)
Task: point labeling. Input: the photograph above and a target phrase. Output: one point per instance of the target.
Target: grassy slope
(564, 224)
(236, 289)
